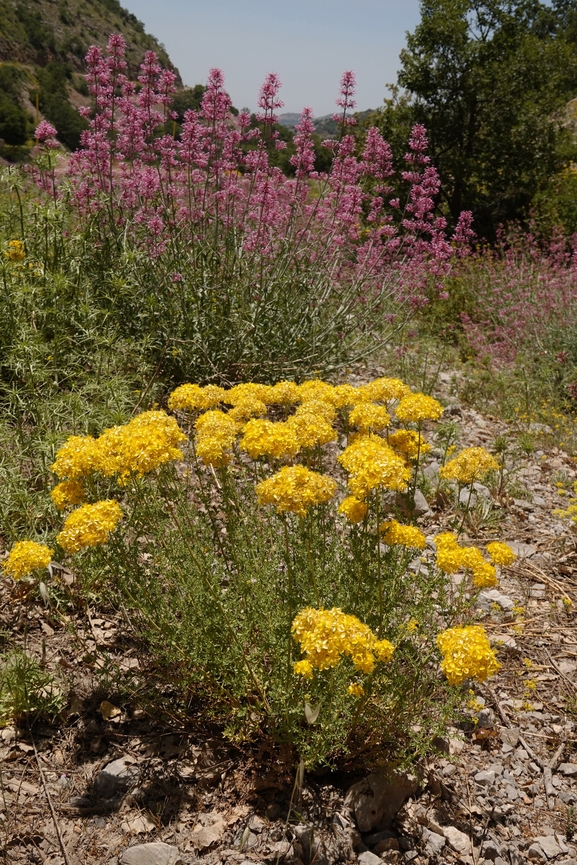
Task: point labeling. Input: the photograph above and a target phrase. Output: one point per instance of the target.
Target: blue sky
(308, 43)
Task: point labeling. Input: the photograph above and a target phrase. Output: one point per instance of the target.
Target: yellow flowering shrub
(325, 635)
(403, 535)
(26, 557)
(294, 489)
(89, 525)
(315, 389)
(317, 408)
(418, 407)
(469, 466)
(467, 654)
(190, 397)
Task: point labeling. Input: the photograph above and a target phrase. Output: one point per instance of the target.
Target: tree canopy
(489, 79)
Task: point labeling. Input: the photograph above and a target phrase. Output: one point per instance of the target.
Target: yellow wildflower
(500, 553)
(89, 525)
(144, 444)
(68, 493)
(189, 397)
(303, 668)
(283, 393)
(418, 407)
(266, 438)
(311, 430)
(25, 557)
(467, 654)
(215, 435)
(16, 250)
(372, 463)
(294, 489)
(409, 442)
(77, 457)
(318, 408)
(315, 389)
(356, 690)
(368, 416)
(353, 509)
(470, 465)
(325, 635)
(247, 408)
(403, 535)
(384, 390)
(344, 395)
(247, 392)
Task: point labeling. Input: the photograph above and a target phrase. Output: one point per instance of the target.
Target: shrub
(226, 266)
(284, 614)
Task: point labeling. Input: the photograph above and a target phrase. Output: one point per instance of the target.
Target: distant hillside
(325, 126)
(42, 48)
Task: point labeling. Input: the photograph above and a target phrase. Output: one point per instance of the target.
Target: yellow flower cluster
(384, 390)
(467, 654)
(189, 397)
(372, 463)
(451, 558)
(368, 416)
(76, 458)
(216, 432)
(500, 553)
(470, 465)
(403, 535)
(89, 525)
(418, 407)
(409, 443)
(294, 489)
(16, 250)
(148, 441)
(25, 557)
(353, 509)
(325, 635)
(68, 493)
(265, 438)
(311, 429)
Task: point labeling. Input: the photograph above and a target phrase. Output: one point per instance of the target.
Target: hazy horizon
(308, 43)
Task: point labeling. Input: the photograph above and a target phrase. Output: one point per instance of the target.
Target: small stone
(490, 850)
(368, 858)
(377, 798)
(509, 736)
(568, 769)
(116, 777)
(457, 840)
(156, 853)
(536, 854)
(377, 837)
(485, 778)
(521, 754)
(433, 843)
(487, 598)
(567, 797)
(551, 846)
(521, 550)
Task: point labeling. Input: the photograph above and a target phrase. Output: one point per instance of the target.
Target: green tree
(489, 80)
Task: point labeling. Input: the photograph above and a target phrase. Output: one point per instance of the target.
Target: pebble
(433, 843)
(486, 778)
(368, 858)
(457, 839)
(568, 769)
(156, 853)
(116, 777)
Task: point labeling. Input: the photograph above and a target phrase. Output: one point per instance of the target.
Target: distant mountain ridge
(325, 126)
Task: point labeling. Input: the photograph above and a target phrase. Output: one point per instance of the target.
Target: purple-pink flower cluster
(216, 180)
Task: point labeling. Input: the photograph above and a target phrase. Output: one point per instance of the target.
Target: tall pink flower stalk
(215, 185)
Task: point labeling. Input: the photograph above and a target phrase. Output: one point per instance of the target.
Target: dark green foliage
(488, 79)
(13, 122)
(188, 99)
(54, 102)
